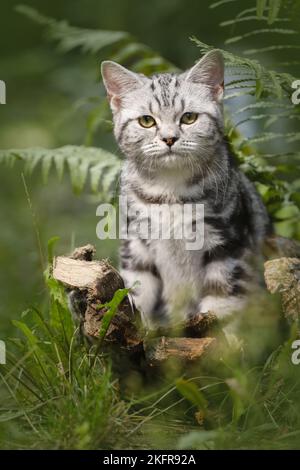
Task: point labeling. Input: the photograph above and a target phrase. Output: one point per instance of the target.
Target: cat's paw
(228, 311)
(224, 308)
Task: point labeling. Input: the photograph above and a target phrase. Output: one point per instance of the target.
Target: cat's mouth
(171, 158)
(171, 154)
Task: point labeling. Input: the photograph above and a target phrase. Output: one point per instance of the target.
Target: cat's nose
(170, 140)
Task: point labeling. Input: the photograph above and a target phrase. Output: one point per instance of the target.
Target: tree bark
(283, 275)
(163, 348)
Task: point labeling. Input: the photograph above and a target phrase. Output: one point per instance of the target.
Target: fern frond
(260, 8)
(122, 45)
(278, 47)
(221, 2)
(260, 31)
(274, 9)
(102, 166)
(252, 18)
(272, 119)
(289, 155)
(263, 105)
(267, 136)
(264, 77)
(71, 37)
(238, 94)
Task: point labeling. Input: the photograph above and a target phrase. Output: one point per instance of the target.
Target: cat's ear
(209, 71)
(118, 81)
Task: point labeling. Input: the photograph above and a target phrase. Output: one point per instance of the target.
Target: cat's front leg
(225, 287)
(146, 292)
(141, 275)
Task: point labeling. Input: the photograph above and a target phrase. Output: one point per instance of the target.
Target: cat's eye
(188, 118)
(146, 121)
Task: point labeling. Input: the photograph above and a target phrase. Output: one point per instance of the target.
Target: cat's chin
(172, 160)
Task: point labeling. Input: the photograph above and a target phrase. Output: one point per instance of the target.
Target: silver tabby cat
(170, 129)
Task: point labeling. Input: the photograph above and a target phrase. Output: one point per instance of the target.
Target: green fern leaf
(278, 47)
(80, 161)
(261, 31)
(46, 162)
(70, 37)
(221, 2)
(251, 18)
(260, 8)
(274, 10)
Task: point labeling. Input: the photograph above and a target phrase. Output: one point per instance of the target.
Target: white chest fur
(174, 240)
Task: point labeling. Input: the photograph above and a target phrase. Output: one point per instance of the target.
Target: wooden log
(98, 277)
(283, 275)
(163, 348)
(94, 283)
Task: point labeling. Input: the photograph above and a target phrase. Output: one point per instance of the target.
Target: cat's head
(167, 120)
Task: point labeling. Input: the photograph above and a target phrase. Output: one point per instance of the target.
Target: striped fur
(198, 167)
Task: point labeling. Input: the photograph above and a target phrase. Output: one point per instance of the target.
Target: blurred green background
(43, 87)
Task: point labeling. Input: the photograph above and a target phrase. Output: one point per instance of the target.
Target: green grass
(57, 394)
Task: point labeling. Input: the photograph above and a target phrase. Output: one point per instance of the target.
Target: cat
(170, 128)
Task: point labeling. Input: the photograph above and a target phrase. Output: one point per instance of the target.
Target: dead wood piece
(283, 275)
(97, 281)
(98, 277)
(200, 324)
(124, 329)
(160, 349)
(85, 253)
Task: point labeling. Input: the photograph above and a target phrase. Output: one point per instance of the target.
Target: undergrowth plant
(59, 394)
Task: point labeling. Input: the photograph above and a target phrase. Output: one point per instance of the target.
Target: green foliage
(57, 392)
(70, 37)
(101, 166)
(260, 400)
(118, 45)
(191, 392)
(111, 310)
(59, 395)
(267, 83)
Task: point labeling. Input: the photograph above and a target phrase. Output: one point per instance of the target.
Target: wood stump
(93, 283)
